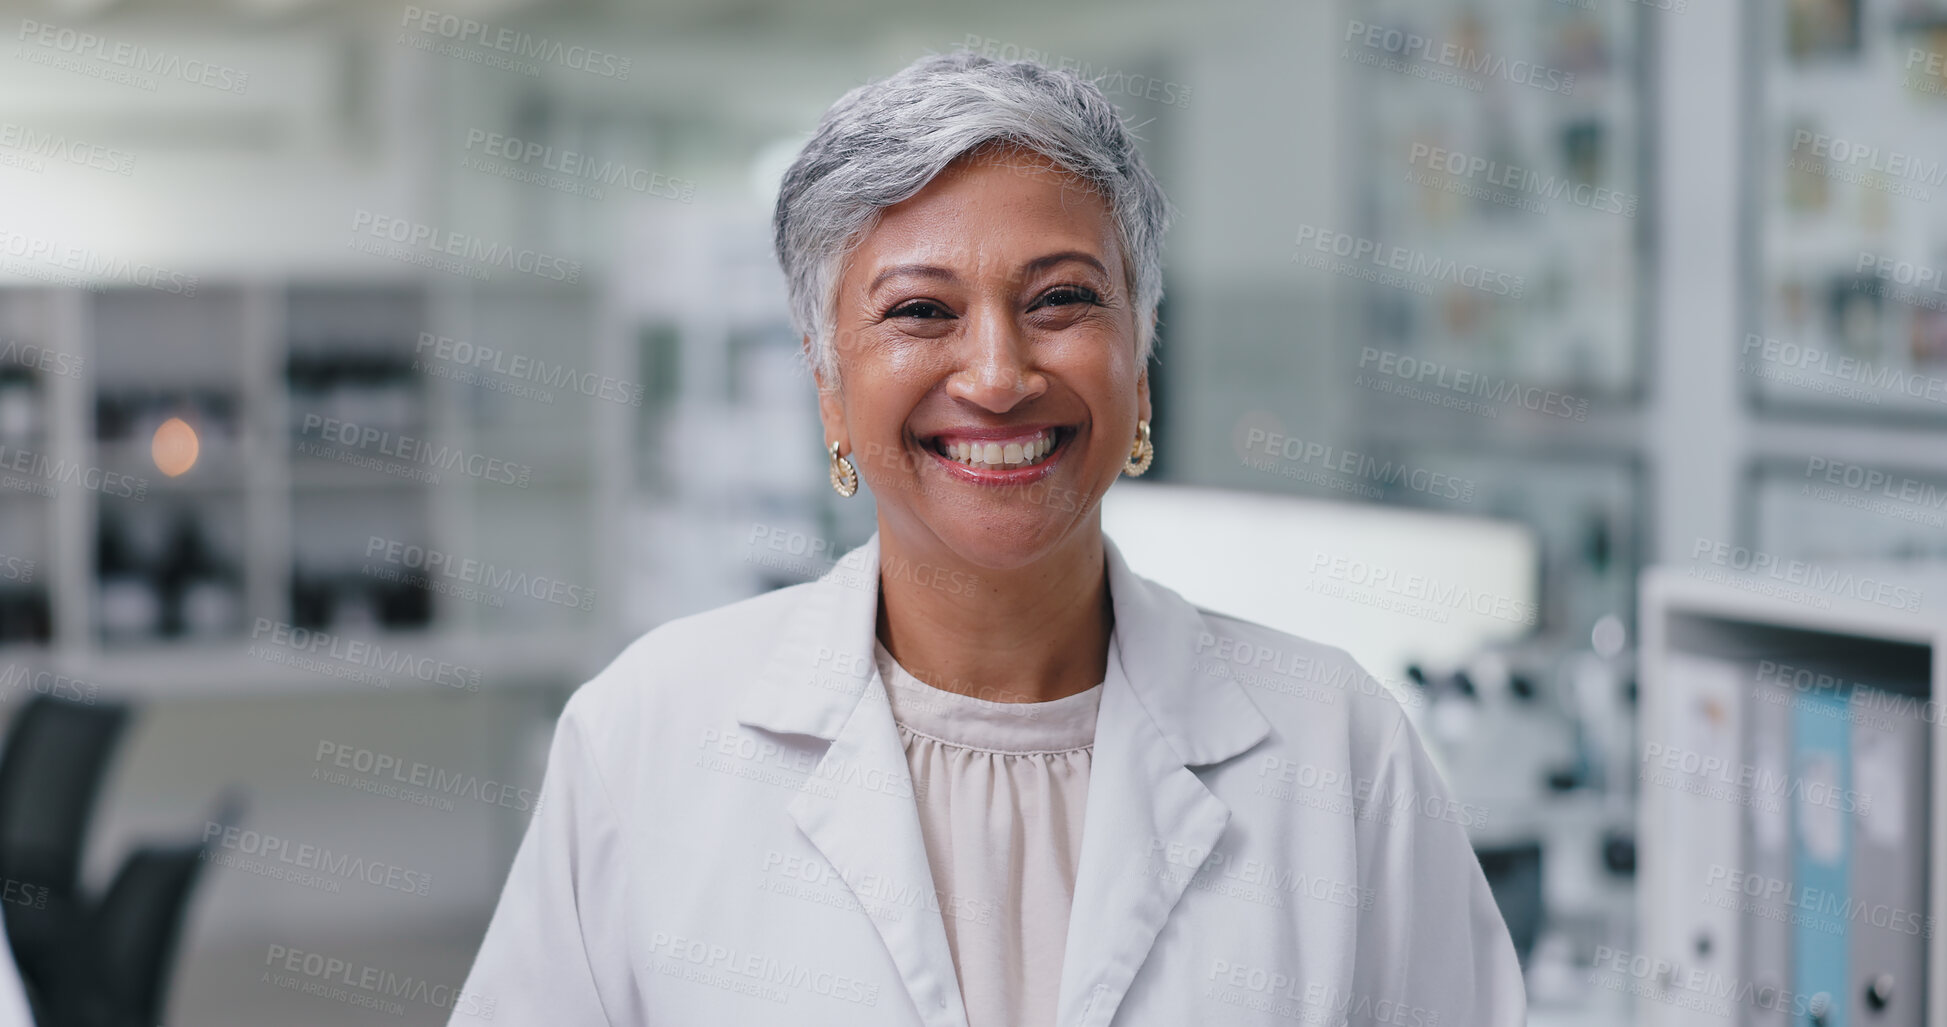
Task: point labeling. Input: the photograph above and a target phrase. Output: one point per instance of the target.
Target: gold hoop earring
(1141, 454)
(845, 477)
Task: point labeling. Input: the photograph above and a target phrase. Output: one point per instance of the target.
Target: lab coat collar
(1160, 716)
(823, 661)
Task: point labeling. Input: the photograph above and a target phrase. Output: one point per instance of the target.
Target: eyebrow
(935, 271)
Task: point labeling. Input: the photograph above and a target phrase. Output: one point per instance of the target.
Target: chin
(1006, 539)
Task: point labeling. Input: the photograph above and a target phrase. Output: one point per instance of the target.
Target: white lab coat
(728, 835)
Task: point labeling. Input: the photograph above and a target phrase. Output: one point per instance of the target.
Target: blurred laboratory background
(371, 374)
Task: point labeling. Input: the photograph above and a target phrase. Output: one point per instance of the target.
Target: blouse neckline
(951, 718)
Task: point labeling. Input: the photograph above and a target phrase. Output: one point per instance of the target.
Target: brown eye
(1066, 295)
(922, 309)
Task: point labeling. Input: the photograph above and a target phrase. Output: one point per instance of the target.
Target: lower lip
(998, 476)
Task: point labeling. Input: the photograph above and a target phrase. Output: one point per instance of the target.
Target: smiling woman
(984, 336)
(1023, 799)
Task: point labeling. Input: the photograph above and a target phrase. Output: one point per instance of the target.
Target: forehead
(993, 210)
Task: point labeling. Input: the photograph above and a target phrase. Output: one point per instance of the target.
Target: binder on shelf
(1701, 771)
(1889, 925)
(1768, 845)
(1821, 783)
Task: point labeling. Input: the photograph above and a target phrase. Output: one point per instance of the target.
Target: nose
(997, 372)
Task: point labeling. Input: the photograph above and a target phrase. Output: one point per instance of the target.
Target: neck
(1026, 634)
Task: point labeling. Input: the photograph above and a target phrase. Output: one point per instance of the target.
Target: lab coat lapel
(1159, 716)
(857, 806)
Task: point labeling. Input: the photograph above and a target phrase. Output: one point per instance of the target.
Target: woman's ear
(1142, 395)
(831, 407)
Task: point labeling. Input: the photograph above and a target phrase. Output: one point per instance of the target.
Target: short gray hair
(884, 141)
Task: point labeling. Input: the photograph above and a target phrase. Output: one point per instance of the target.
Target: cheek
(880, 392)
(881, 351)
(1103, 339)
(1103, 370)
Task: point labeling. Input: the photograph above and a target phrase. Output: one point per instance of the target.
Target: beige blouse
(1001, 788)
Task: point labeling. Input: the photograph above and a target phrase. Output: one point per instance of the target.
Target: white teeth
(998, 454)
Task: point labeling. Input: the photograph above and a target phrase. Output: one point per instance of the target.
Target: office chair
(85, 963)
(116, 971)
(57, 753)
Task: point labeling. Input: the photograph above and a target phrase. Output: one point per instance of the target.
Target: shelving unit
(1771, 687)
(1527, 162)
(1848, 168)
(1496, 160)
(338, 441)
(28, 367)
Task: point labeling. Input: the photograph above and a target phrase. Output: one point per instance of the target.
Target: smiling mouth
(1029, 449)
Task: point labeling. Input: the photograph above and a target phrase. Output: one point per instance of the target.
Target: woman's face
(988, 387)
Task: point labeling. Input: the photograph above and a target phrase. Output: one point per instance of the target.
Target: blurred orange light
(175, 447)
